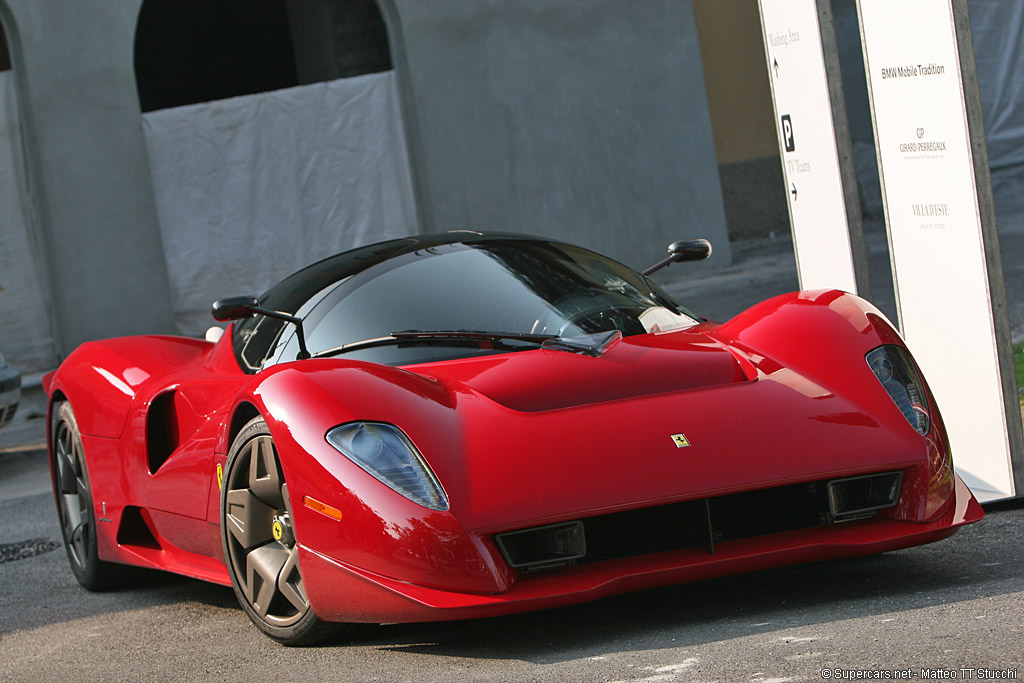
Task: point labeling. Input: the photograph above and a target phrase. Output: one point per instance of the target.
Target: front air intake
(857, 497)
(543, 547)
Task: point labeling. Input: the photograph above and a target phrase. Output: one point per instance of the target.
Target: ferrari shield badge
(220, 476)
(680, 440)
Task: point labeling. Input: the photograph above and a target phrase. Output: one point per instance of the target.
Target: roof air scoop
(587, 345)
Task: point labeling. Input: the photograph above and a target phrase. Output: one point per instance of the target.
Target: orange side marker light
(323, 508)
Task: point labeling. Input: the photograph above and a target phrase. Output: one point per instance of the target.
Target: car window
(531, 287)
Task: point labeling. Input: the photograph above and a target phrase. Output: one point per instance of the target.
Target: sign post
(939, 213)
(814, 142)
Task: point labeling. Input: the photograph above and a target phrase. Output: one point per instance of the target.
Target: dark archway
(191, 51)
(338, 39)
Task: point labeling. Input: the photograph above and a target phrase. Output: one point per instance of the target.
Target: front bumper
(339, 592)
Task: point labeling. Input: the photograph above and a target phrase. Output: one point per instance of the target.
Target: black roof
(289, 294)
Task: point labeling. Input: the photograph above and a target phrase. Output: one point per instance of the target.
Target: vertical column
(814, 142)
(942, 233)
(87, 165)
(582, 121)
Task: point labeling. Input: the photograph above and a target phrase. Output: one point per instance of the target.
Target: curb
(26, 451)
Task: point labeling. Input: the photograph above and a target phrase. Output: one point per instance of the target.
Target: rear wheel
(259, 542)
(74, 505)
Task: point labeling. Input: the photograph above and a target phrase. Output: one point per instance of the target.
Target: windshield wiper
(587, 345)
(427, 336)
(471, 334)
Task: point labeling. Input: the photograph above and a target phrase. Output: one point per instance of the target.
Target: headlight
(895, 370)
(384, 451)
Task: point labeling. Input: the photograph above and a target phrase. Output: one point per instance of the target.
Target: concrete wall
(87, 170)
(739, 93)
(580, 119)
(25, 334)
(740, 101)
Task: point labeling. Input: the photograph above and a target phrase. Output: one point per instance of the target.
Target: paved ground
(955, 604)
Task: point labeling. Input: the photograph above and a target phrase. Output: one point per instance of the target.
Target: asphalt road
(951, 605)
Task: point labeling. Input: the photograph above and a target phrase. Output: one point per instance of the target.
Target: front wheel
(259, 542)
(75, 507)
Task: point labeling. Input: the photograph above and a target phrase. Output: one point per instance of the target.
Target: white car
(10, 390)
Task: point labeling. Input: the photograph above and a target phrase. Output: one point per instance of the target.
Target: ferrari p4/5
(464, 425)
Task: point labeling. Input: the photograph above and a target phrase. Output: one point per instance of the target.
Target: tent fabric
(252, 188)
(25, 331)
(997, 29)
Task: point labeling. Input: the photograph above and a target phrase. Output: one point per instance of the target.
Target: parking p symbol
(787, 133)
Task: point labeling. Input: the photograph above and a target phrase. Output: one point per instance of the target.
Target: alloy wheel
(260, 539)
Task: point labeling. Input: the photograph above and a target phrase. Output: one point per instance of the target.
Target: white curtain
(997, 28)
(252, 188)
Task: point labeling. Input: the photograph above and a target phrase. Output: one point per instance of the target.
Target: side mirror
(234, 307)
(683, 250)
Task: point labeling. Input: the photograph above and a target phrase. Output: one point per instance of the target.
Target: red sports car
(464, 425)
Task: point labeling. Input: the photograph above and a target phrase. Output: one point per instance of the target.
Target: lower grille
(644, 531)
(769, 511)
(702, 523)
(691, 524)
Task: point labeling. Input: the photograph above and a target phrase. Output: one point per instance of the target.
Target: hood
(644, 365)
(545, 436)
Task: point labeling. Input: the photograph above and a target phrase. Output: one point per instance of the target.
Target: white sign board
(935, 231)
(803, 116)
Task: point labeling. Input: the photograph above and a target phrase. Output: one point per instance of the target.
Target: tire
(75, 507)
(260, 550)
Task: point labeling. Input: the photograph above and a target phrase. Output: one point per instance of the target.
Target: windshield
(520, 287)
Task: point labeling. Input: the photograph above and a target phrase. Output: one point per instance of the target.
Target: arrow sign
(794, 62)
